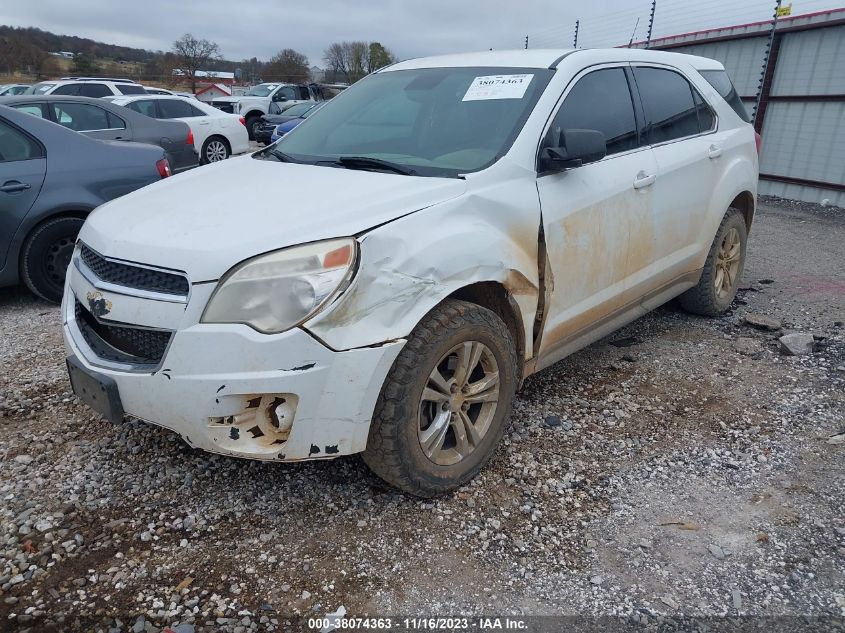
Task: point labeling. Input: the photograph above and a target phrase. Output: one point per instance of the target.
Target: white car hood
(206, 220)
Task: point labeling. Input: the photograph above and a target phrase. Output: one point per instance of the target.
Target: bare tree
(336, 63)
(192, 54)
(287, 65)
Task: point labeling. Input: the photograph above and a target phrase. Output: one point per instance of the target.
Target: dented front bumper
(231, 390)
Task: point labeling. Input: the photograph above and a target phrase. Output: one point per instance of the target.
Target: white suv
(448, 226)
(88, 87)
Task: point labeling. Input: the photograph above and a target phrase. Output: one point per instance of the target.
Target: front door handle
(644, 180)
(14, 186)
(714, 152)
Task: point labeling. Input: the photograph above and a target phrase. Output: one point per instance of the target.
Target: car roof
(550, 58)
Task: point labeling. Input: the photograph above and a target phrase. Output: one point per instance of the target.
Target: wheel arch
(495, 297)
(744, 202)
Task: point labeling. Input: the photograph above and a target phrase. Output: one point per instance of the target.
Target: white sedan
(217, 134)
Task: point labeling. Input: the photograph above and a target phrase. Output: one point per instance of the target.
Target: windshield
(435, 121)
(261, 90)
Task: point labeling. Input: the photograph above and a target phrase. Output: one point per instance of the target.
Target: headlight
(275, 292)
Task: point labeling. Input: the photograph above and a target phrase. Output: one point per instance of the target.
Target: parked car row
(8, 90)
(269, 122)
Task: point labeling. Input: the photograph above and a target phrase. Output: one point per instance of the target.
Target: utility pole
(526, 42)
(766, 58)
(575, 41)
(650, 23)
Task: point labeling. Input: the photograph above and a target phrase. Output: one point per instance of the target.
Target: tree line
(26, 50)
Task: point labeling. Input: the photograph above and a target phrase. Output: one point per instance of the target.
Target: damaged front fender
(412, 264)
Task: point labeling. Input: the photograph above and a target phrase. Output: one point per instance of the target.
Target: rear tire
(251, 122)
(722, 271)
(430, 435)
(215, 149)
(46, 255)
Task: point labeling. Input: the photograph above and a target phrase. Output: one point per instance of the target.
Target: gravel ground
(682, 466)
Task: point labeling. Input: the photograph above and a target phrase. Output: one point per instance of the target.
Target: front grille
(120, 342)
(133, 276)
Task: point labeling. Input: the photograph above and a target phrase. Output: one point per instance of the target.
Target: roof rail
(112, 79)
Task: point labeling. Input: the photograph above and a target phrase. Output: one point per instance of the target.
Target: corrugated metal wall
(804, 136)
(743, 59)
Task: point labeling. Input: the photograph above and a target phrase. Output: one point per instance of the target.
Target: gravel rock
(763, 322)
(797, 344)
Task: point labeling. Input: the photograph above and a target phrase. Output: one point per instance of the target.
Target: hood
(206, 220)
(229, 99)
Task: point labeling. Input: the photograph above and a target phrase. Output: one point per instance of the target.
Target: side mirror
(574, 148)
(279, 97)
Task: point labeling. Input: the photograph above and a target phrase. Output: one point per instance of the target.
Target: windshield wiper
(363, 162)
(280, 155)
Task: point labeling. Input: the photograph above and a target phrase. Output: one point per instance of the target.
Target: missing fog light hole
(264, 419)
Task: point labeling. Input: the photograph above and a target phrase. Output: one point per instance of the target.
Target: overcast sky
(410, 28)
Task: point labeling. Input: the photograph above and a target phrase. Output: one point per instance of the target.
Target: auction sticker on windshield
(498, 87)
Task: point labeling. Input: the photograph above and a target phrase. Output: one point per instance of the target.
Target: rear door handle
(644, 180)
(14, 186)
(714, 152)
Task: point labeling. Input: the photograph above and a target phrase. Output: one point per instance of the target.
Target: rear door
(593, 214)
(681, 130)
(22, 168)
(200, 123)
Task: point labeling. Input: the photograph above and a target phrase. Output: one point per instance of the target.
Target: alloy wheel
(727, 263)
(216, 151)
(458, 403)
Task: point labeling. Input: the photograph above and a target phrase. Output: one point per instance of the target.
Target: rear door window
(35, 109)
(94, 90)
(15, 145)
(130, 89)
(80, 117)
(720, 80)
(67, 90)
(147, 107)
(600, 101)
(670, 112)
(174, 109)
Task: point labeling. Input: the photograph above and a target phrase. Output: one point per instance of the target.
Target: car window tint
(67, 89)
(600, 101)
(80, 117)
(130, 89)
(94, 90)
(15, 145)
(115, 122)
(195, 111)
(720, 80)
(30, 108)
(288, 92)
(706, 117)
(174, 108)
(147, 107)
(670, 112)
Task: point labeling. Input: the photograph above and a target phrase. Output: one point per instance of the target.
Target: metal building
(802, 97)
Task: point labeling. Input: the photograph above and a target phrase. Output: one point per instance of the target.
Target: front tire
(215, 149)
(46, 255)
(444, 405)
(719, 281)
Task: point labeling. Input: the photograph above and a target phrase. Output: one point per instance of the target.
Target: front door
(592, 214)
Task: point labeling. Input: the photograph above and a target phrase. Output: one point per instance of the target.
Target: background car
(286, 127)
(7, 90)
(87, 87)
(106, 121)
(217, 134)
(50, 179)
(269, 122)
(164, 91)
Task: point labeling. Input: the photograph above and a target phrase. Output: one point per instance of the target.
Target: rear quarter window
(720, 80)
(131, 89)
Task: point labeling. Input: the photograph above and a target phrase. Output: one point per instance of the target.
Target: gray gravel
(694, 470)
